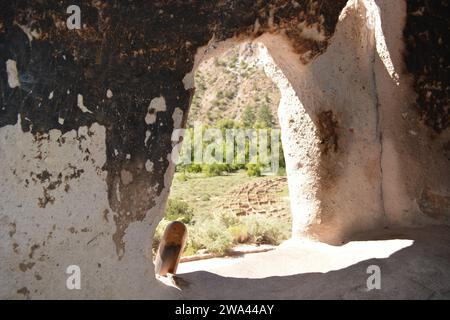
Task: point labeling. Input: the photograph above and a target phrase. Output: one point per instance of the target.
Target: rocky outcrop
(86, 122)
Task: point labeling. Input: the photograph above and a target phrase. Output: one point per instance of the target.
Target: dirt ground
(414, 264)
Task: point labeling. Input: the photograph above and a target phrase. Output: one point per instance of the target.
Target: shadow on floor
(419, 271)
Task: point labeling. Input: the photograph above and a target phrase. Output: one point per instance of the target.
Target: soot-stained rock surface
(87, 116)
(427, 35)
(124, 69)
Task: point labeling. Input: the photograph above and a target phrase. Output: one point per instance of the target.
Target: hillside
(227, 85)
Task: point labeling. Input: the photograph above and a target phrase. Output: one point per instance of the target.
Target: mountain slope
(226, 85)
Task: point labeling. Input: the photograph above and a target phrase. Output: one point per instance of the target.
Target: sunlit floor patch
(296, 257)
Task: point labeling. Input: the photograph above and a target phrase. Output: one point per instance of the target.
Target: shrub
(239, 233)
(205, 197)
(194, 168)
(230, 94)
(226, 123)
(213, 169)
(269, 230)
(253, 170)
(178, 210)
(220, 241)
(228, 219)
(232, 167)
(237, 166)
(211, 235)
(189, 250)
(182, 177)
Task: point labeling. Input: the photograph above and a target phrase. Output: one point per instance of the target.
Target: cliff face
(86, 122)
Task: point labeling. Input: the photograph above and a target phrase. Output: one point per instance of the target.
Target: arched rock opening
(87, 116)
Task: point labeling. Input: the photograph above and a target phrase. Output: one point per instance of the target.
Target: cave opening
(230, 186)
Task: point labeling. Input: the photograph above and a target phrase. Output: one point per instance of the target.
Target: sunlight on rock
(297, 257)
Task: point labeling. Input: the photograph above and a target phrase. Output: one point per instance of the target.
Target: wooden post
(170, 248)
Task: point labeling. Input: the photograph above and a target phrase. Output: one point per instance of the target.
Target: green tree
(265, 118)
(248, 117)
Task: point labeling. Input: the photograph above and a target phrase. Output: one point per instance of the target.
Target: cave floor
(414, 264)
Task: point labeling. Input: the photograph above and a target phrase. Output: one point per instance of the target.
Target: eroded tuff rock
(86, 118)
(126, 55)
(427, 35)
